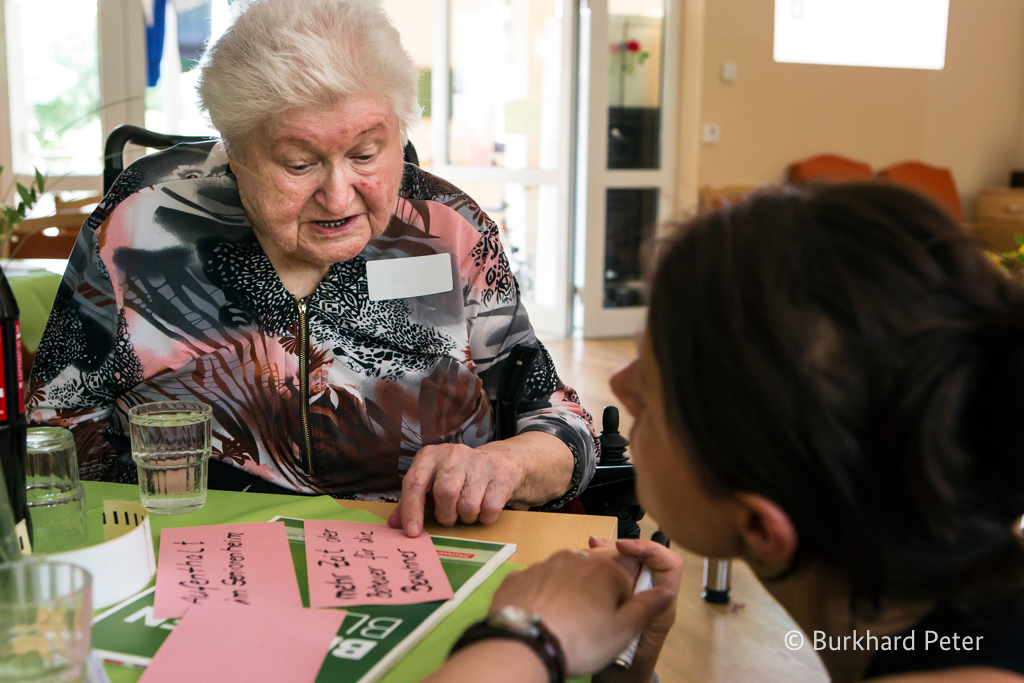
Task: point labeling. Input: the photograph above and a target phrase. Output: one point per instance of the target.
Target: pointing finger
(415, 485)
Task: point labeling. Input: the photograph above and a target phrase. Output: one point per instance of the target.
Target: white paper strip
(123, 565)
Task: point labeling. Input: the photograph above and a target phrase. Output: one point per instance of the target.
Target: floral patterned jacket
(169, 296)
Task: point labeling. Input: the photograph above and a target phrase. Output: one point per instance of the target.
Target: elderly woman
(287, 276)
(841, 408)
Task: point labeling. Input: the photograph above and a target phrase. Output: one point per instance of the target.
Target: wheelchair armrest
(612, 489)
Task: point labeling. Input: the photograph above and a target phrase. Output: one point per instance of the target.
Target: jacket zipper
(303, 341)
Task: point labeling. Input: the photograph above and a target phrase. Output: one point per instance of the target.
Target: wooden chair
(50, 237)
(828, 167)
(90, 202)
(932, 181)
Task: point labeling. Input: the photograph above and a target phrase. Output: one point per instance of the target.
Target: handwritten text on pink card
(357, 563)
(224, 564)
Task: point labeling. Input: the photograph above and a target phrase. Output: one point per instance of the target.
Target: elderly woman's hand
(467, 484)
(475, 484)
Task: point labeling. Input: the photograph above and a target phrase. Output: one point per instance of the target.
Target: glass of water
(171, 446)
(45, 621)
(56, 499)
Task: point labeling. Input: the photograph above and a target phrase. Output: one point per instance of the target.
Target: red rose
(633, 46)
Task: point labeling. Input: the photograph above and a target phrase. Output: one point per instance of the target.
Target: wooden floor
(742, 642)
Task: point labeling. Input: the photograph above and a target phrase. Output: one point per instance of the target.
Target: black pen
(643, 582)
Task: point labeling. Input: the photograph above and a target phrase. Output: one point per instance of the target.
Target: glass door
(628, 104)
(501, 129)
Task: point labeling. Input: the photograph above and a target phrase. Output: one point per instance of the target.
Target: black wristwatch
(516, 623)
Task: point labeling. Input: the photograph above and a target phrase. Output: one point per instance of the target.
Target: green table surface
(34, 291)
(223, 507)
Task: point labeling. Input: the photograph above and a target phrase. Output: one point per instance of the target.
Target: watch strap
(544, 643)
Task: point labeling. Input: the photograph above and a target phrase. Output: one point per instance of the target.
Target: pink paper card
(221, 644)
(224, 564)
(357, 563)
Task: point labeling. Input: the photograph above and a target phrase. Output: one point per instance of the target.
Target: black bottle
(13, 424)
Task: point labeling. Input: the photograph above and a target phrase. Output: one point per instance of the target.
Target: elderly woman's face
(318, 184)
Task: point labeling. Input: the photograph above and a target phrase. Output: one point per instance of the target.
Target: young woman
(830, 387)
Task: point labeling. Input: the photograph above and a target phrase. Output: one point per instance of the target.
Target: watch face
(517, 620)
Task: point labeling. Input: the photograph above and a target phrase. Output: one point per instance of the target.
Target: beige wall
(969, 116)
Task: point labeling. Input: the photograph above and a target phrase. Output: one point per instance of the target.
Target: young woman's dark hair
(849, 352)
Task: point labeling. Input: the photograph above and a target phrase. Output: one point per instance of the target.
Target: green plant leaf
(1019, 239)
(12, 216)
(40, 181)
(26, 195)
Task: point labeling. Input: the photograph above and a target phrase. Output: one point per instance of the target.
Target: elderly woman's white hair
(297, 54)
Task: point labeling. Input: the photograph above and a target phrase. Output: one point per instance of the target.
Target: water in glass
(171, 447)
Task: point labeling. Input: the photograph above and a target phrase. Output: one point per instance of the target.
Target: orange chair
(828, 167)
(931, 181)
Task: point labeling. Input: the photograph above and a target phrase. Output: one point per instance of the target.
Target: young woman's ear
(766, 530)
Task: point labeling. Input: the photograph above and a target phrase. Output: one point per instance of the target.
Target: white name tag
(401, 278)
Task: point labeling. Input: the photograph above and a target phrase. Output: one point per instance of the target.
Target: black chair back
(113, 151)
(409, 154)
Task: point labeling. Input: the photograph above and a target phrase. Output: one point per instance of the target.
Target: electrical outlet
(729, 72)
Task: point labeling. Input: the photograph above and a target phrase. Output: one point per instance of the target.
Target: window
(54, 90)
(909, 34)
(75, 69)
(70, 71)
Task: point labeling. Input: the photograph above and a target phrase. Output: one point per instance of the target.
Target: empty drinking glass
(171, 446)
(45, 621)
(56, 499)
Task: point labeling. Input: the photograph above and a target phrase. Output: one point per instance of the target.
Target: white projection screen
(907, 34)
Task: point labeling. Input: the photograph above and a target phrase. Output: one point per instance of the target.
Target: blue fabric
(155, 42)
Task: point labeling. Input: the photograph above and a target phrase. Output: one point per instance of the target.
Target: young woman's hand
(586, 599)
(667, 572)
